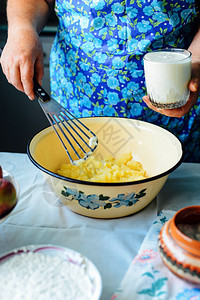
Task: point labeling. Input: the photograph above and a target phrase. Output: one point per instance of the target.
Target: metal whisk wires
(77, 139)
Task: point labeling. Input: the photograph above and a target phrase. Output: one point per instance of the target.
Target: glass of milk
(167, 75)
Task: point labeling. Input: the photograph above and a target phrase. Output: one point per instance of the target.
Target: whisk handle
(40, 93)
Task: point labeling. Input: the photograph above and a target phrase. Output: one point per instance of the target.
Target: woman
(96, 64)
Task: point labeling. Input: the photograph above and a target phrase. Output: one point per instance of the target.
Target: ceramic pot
(179, 252)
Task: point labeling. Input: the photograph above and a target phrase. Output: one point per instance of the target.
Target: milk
(167, 74)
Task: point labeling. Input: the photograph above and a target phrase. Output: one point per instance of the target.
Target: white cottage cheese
(93, 141)
(191, 230)
(36, 276)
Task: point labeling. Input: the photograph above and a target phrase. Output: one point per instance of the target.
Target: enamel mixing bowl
(159, 151)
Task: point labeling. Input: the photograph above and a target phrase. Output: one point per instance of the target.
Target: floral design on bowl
(96, 201)
(158, 150)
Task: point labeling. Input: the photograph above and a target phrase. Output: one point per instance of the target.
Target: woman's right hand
(22, 59)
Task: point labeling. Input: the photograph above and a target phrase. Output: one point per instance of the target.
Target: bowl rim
(182, 239)
(92, 183)
(68, 252)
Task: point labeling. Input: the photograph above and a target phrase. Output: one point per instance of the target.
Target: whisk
(68, 128)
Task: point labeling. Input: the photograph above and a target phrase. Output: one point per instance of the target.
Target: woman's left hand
(194, 86)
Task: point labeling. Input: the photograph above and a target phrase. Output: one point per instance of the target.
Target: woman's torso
(97, 57)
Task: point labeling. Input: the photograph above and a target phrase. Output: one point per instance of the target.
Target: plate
(58, 280)
(8, 176)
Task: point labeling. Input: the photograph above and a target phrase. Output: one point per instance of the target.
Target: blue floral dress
(96, 63)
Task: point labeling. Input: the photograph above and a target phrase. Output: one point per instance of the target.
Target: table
(110, 244)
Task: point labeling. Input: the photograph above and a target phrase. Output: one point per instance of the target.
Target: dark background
(20, 118)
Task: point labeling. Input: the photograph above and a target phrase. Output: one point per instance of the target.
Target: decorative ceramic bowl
(9, 177)
(179, 251)
(158, 150)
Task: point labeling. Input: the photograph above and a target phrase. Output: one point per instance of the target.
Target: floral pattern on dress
(96, 63)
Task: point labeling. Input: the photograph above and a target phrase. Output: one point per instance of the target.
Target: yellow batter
(109, 169)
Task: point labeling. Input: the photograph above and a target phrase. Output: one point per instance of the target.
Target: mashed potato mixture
(123, 169)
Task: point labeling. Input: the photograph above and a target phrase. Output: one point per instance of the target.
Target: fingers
(194, 87)
(39, 69)
(20, 74)
(24, 61)
(15, 78)
(18, 70)
(194, 84)
(167, 112)
(27, 73)
(5, 70)
(176, 112)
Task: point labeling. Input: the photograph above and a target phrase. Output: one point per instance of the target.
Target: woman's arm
(194, 84)
(22, 56)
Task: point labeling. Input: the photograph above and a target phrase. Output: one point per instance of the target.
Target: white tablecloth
(111, 244)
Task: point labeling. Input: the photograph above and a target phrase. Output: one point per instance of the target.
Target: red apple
(8, 197)
(1, 172)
